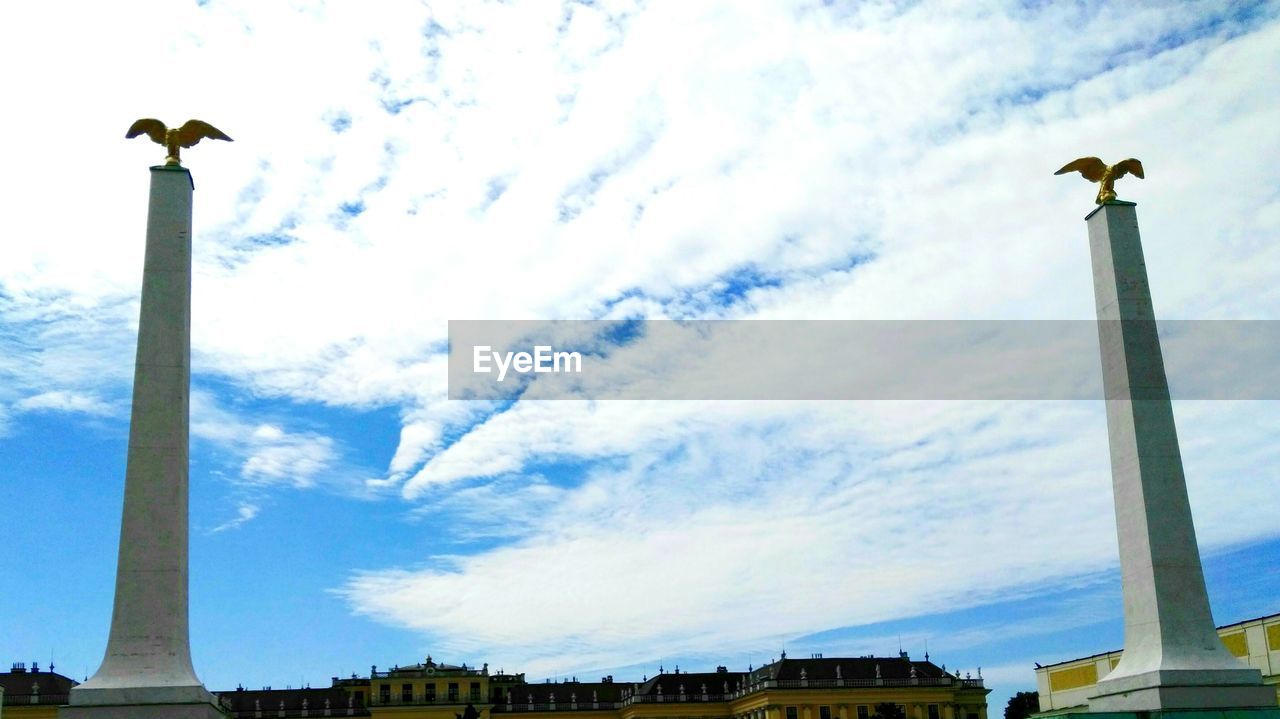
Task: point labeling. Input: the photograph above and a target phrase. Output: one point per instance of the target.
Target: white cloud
(277, 457)
(271, 455)
(709, 148)
(65, 401)
(791, 521)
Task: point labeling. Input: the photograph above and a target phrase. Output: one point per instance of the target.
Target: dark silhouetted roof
(850, 668)
(245, 701)
(692, 683)
(565, 691)
(21, 682)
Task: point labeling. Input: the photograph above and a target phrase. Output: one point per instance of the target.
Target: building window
(406, 693)
(431, 692)
(384, 693)
(933, 711)
(497, 694)
(453, 692)
(359, 698)
(475, 691)
(862, 711)
(824, 712)
(792, 713)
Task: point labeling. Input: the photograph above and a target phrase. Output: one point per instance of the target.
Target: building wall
(419, 712)
(948, 703)
(29, 711)
(927, 697)
(1255, 642)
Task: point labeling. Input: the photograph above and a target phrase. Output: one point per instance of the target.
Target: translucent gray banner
(841, 359)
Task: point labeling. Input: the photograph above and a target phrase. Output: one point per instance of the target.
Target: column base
(164, 702)
(142, 711)
(1241, 713)
(1186, 689)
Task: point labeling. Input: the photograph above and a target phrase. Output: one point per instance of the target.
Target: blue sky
(399, 166)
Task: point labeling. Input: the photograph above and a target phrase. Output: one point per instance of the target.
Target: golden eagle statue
(191, 132)
(1095, 170)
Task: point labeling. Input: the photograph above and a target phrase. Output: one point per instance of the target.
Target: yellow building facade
(1255, 642)
(814, 688)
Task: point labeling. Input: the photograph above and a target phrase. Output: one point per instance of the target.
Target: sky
(399, 165)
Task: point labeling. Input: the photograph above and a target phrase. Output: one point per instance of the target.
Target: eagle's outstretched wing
(1129, 166)
(152, 127)
(1091, 167)
(193, 131)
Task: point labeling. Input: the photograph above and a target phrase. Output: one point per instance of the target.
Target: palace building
(813, 688)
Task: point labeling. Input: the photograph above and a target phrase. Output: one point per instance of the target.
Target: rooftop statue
(1095, 170)
(191, 132)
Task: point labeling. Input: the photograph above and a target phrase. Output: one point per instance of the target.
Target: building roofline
(1113, 651)
(1077, 659)
(1255, 619)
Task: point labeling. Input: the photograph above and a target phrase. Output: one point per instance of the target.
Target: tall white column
(147, 669)
(1173, 658)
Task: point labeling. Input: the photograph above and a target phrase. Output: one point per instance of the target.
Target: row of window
(406, 693)
(406, 697)
(864, 712)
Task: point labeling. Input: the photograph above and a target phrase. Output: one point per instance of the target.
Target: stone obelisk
(147, 670)
(1173, 658)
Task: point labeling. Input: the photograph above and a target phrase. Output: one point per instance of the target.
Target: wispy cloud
(244, 513)
(65, 401)
(790, 522)
(279, 457)
(270, 455)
